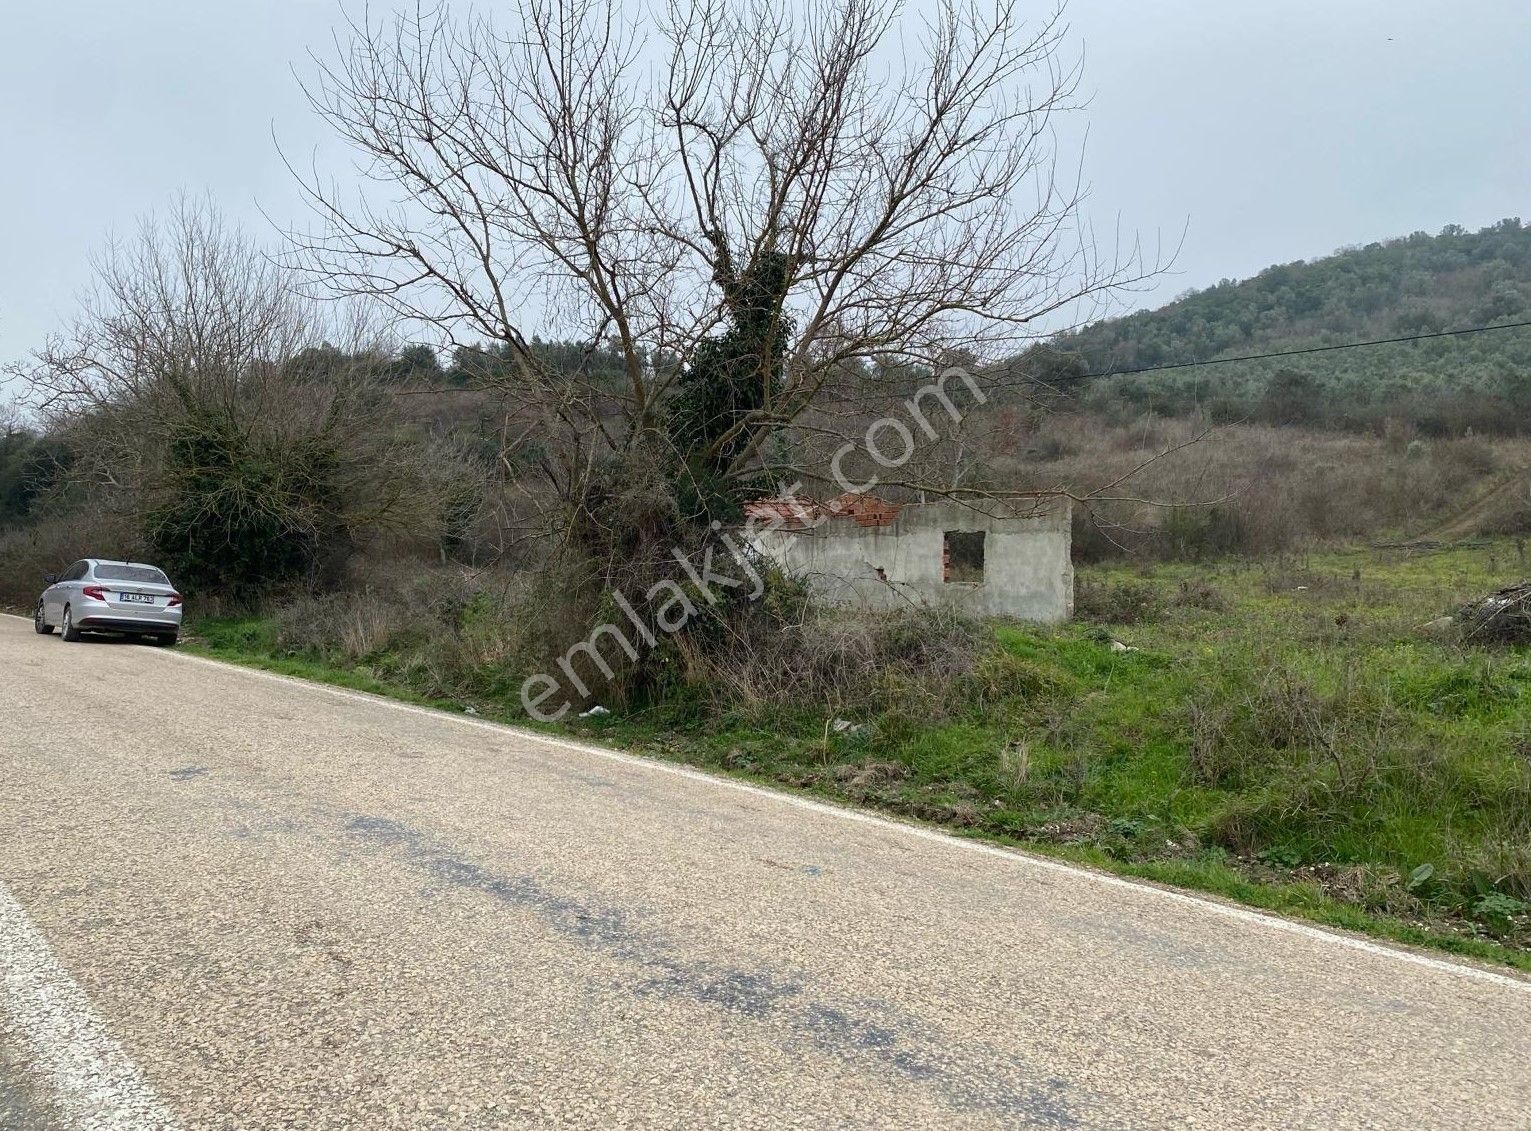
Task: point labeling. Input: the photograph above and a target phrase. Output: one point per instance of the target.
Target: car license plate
(136, 598)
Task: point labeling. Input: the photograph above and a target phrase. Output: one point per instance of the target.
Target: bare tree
(207, 397)
(185, 316)
(12, 418)
(747, 203)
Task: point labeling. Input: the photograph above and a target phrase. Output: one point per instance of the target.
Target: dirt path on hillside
(1470, 521)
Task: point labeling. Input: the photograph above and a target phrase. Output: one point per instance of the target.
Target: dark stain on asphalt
(1155, 946)
(752, 993)
(24, 1102)
(186, 773)
(840, 1025)
(382, 830)
(979, 1078)
(594, 781)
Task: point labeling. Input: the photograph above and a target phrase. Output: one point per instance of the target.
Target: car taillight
(94, 592)
(175, 599)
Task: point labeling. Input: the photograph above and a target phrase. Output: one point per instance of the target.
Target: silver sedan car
(126, 598)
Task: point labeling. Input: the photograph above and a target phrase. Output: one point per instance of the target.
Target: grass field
(1283, 733)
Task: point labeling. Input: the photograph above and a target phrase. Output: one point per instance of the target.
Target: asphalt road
(23, 1103)
(231, 900)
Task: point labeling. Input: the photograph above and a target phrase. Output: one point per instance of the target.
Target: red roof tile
(799, 512)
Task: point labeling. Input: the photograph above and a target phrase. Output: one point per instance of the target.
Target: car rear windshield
(147, 574)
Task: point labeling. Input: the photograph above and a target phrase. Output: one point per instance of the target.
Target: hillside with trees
(1417, 285)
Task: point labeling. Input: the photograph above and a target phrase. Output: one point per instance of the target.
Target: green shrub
(1117, 602)
(239, 513)
(1196, 533)
(1498, 910)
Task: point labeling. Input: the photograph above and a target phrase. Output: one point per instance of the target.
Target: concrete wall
(1027, 569)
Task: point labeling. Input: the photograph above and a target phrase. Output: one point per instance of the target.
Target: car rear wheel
(68, 630)
(40, 622)
(166, 641)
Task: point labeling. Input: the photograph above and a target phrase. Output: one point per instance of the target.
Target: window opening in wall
(962, 556)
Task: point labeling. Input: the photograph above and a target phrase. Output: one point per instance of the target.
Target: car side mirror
(50, 579)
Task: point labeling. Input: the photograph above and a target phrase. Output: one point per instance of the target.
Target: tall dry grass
(1249, 488)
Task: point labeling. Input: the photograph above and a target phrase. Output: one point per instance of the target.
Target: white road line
(95, 1085)
(1015, 856)
(890, 824)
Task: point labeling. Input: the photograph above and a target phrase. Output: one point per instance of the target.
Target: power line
(1309, 349)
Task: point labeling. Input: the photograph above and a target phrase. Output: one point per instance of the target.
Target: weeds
(1198, 593)
(1117, 602)
(1275, 490)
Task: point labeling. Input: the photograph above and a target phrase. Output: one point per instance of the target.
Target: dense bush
(236, 511)
(30, 465)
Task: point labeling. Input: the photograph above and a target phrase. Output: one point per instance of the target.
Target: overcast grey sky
(1270, 131)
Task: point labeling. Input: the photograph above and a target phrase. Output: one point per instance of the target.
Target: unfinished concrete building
(989, 557)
